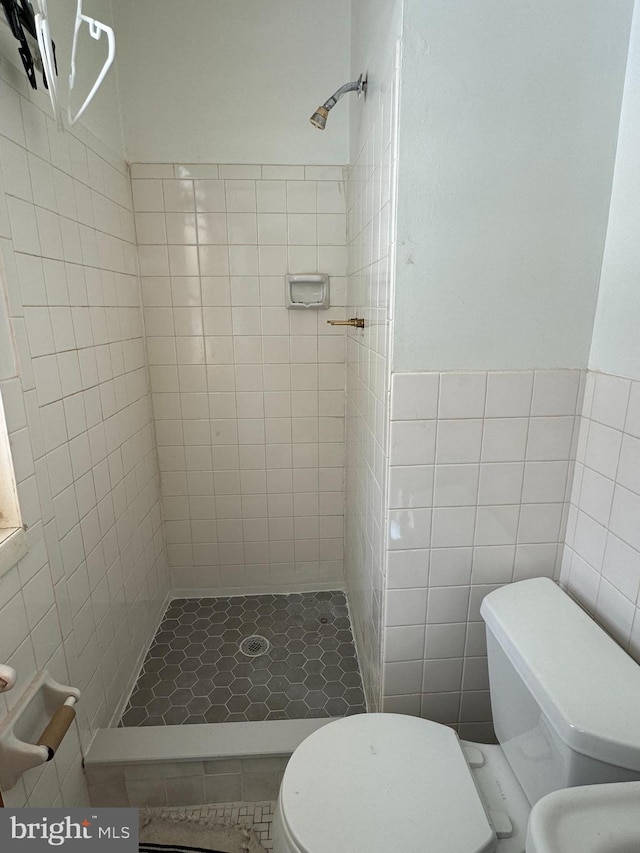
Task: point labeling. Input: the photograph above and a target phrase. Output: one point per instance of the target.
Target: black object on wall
(21, 20)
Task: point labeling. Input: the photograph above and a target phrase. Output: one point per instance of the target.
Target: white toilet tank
(565, 696)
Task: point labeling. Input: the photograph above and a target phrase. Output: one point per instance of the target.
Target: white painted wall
(376, 26)
(616, 339)
(102, 117)
(232, 81)
(509, 117)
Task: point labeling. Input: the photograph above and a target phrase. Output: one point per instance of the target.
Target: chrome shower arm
(319, 118)
(356, 86)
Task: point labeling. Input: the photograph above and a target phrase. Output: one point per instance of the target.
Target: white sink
(589, 819)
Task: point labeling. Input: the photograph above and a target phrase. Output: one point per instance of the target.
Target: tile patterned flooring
(256, 816)
(196, 673)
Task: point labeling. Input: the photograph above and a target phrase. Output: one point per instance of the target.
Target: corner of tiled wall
(601, 561)
(84, 601)
(371, 260)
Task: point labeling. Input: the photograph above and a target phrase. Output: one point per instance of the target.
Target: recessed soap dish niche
(307, 290)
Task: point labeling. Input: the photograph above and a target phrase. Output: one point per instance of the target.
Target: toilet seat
(381, 783)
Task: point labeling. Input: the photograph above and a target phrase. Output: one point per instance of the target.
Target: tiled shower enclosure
(254, 657)
(248, 397)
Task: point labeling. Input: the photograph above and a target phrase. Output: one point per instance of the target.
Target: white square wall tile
(271, 196)
(535, 561)
(462, 395)
(549, 438)
(447, 604)
(414, 396)
(629, 464)
(459, 441)
(504, 439)
(615, 612)
(445, 641)
(456, 485)
(407, 569)
(602, 448)
(411, 486)
(402, 677)
(450, 566)
(589, 540)
(555, 392)
(544, 481)
(147, 196)
(493, 564)
(404, 643)
(621, 567)
(596, 495)
(178, 196)
(409, 528)
(301, 197)
(539, 523)
(625, 513)
(441, 707)
(500, 482)
(509, 394)
(453, 527)
(442, 676)
(412, 442)
(610, 400)
(497, 525)
(406, 607)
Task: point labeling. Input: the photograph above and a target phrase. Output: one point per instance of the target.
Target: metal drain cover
(254, 646)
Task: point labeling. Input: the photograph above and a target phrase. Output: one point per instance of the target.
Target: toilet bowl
(381, 783)
(389, 782)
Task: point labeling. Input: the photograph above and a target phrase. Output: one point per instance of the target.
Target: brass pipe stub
(357, 322)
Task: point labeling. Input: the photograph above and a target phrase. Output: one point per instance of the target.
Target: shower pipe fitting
(319, 118)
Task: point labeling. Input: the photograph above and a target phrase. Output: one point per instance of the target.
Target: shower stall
(249, 411)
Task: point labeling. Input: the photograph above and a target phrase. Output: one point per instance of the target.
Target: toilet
(566, 708)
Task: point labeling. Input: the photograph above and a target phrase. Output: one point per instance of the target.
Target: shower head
(319, 118)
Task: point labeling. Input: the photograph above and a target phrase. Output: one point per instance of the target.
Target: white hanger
(43, 34)
(96, 28)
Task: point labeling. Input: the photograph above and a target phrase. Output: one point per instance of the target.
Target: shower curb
(200, 742)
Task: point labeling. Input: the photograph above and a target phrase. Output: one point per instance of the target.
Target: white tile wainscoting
(601, 563)
(480, 468)
(248, 396)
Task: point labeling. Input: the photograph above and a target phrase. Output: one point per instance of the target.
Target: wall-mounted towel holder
(43, 701)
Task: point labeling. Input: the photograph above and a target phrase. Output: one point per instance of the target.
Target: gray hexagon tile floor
(196, 673)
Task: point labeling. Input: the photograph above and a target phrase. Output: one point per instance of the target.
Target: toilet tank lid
(586, 685)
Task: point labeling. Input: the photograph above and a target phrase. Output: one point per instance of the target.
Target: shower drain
(254, 646)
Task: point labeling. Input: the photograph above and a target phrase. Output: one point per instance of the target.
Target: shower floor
(195, 671)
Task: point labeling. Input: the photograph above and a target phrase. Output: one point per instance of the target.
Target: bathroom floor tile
(255, 816)
(195, 671)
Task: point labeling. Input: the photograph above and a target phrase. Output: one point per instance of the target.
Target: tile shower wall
(601, 563)
(371, 223)
(248, 397)
(83, 603)
(477, 497)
